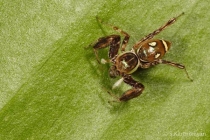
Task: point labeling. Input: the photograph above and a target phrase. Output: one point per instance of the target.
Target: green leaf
(53, 88)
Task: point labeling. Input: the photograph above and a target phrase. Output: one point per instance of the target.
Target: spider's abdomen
(127, 62)
(153, 49)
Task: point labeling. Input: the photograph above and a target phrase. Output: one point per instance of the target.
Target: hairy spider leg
(113, 41)
(126, 35)
(135, 91)
(177, 65)
(151, 35)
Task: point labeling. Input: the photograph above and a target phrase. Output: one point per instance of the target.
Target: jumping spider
(145, 53)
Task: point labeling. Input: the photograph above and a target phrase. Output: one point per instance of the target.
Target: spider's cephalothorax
(145, 53)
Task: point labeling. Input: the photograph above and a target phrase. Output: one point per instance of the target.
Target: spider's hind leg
(157, 31)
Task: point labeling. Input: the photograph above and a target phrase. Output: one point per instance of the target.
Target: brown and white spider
(145, 53)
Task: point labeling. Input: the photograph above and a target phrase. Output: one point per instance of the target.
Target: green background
(53, 88)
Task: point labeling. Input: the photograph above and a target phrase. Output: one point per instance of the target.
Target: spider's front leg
(134, 92)
(125, 34)
(113, 41)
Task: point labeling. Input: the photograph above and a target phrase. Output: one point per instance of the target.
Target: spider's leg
(175, 65)
(151, 35)
(125, 34)
(113, 41)
(134, 92)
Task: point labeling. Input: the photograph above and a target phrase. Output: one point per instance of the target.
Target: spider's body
(145, 53)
